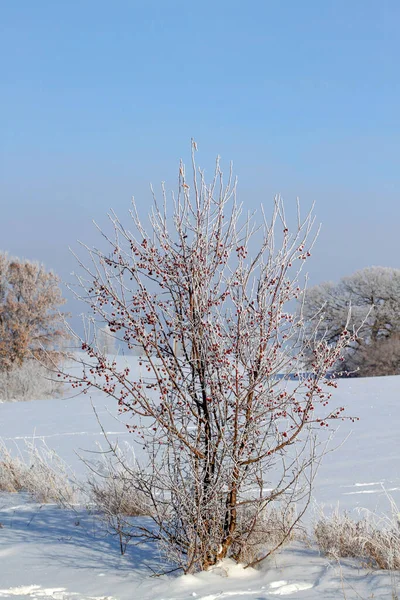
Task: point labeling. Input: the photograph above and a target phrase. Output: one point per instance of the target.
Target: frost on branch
(204, 297)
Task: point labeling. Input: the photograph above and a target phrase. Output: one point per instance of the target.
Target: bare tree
(374, 297)
(226, 441)
(30, 322)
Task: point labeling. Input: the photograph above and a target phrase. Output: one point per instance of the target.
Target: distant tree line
(32, 326)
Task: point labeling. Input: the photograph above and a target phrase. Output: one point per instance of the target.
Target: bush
(113, 492)
(373, 540)
(12, 471)
(206, 296)
(261, 534)
(112, 485)
(43, 474)
(31, 381)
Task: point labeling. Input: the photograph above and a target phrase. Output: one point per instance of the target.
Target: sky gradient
(98, 99)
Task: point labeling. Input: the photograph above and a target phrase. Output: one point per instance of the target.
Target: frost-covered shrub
(38, 471)
(31, 381)
(114, 493)
(264, 532)
(12, 471)
(374, 540)
(206, 295)
(113, 490)
(49, 478)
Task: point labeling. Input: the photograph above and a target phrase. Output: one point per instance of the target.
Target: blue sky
(97, 99)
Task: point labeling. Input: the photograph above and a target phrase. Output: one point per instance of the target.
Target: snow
(51, 553)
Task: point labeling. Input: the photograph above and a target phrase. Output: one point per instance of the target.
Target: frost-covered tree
(31, 325)
(205, 294)
(373, 295)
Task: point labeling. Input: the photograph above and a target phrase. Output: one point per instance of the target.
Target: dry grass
(116, 494)
(112, 485)
(38, 471)
(373, 540)
(12, 471)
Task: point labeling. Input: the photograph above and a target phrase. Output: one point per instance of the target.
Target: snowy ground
(46, 552)
(49, 553)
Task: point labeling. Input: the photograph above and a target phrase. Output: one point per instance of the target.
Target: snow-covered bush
(38, 471)
(30, 381)
(48, 477)
(264, 532)
(372, 539)
(12, 471)
(114, 492)
(206, 295)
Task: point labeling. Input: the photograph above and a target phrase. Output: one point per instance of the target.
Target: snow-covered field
(47, 552)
